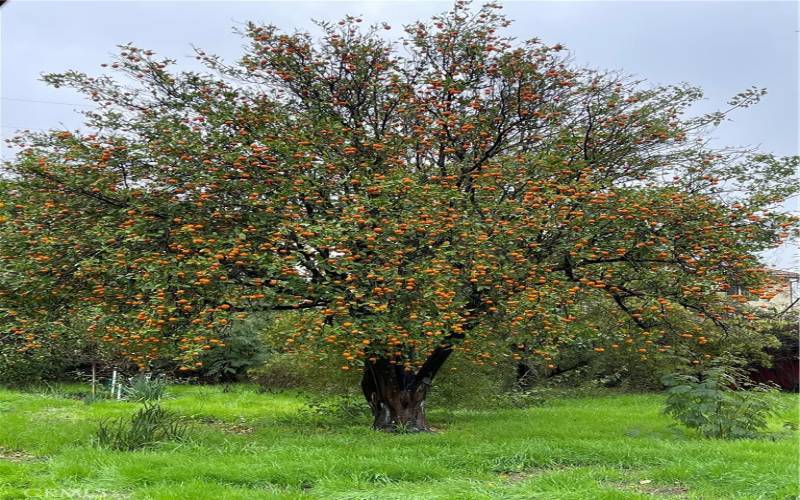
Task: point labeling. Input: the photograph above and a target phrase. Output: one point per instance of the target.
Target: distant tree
(453, 190)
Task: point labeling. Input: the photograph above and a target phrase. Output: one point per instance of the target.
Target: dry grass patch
(648, 487)
(16, 455)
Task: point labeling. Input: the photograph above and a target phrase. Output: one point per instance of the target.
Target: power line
(19, 99)
(14, 127)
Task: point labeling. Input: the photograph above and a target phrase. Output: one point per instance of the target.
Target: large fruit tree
(451, 189)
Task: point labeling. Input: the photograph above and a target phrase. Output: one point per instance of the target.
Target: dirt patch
(236, 428)
(85, 494)
(515, 477)
(522, 475)
(240, 426)
(15, 455)
(648, 487)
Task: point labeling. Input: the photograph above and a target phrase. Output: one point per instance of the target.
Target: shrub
(65, 352)
(717, 404)
(782, 366)
(96, 397)
(144, 387)
(148, 426)
(346, 407)
(628, 369)
(488, 385)
(290, 371)
(244, 349)
(281, 371)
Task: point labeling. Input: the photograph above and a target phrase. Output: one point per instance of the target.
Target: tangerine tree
(452, 189)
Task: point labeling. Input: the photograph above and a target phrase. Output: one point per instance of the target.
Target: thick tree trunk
(397, 397)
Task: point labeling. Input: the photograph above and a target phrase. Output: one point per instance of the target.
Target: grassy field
(244, 444)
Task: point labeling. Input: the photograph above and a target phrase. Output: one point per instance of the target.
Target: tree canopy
(449, 189)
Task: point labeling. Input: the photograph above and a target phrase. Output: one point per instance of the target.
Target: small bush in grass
(145, 388)
(720, 403)
(94, 398)
(148, 426)
(346, 407)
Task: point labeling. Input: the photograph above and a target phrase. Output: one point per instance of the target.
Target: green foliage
(611, 354)
(347, 407)
(293, 371)
(281, 371)
(150, 425)
(488, 385)
(67, 351)
(783, 328)
(459, 189)
(576, 366)
(98, 396)
(144, 387)
(243, 350)
(720, 403)
(22, 368)
(626, 369)
(273, 329)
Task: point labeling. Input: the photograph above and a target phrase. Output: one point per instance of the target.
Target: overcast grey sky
(724, 47)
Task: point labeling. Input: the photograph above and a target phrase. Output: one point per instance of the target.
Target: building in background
(785, 305)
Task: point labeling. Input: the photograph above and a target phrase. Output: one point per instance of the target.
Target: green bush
(98, 396)
(30, 367)
(781, 367)
(486, 386)
(720, 403)
(293, 371)
(243, 350)
(280, 371)
(349, 407)
(255, 349)
(148, 426)
(627, 369)
(65, 353)
(145, 387)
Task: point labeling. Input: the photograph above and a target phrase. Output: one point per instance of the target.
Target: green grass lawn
(244, 444)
